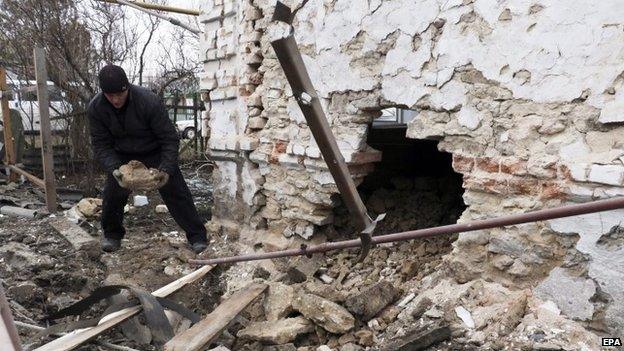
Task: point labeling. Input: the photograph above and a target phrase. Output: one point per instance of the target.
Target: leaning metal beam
(541, 215)
(291, 61)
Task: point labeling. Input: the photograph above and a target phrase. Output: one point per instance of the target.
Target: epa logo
(611, 342)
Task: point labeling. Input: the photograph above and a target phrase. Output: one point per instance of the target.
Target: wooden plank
(41, 73)
(76, 338)
(211, 327)
(77, 237)
(8, 333)
(9, 141)
(33, 179)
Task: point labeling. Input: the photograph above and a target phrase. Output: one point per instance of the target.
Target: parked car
(186, 128)
(23, 99)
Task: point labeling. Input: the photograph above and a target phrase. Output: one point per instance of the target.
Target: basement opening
(414, 184)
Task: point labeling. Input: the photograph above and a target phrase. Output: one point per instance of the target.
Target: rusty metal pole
(303, 90)
(170, 19)
(541, 215)
(159, 7)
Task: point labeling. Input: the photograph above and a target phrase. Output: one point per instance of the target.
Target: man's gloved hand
(162, 177)
(119, 178)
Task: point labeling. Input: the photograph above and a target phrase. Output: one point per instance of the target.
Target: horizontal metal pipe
(540, 215)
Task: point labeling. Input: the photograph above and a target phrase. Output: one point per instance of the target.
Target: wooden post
(46, 130)
(9, 142)
(9, 339)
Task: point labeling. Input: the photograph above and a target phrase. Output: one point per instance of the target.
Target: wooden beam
(76, 338)
(210, 328)
(9, 142)
(41, 73)
(8, 333)
(33, 179)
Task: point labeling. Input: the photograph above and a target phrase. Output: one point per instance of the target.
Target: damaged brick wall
(526, 95)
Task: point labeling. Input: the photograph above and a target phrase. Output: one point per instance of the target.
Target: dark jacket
(142, 127)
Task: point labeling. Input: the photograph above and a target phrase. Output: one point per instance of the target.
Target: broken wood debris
(76, 338)
(211, 327)
(98, 342)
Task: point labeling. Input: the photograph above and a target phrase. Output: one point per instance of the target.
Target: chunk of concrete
(20, 257)
(419, 338)
(76, 236)
(301, 268)
(328, 315)
(277, 332)
(571, 294)
(369, 302)
(89, 207)
(278, 301)
(161, 209)
(140, 200)
(135, 176)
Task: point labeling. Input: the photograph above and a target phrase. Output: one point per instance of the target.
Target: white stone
(469, 117)
(604, 264)
(161, 209)
(574, 300)
(613, 111)
(140, 200)
(465, 316)
(606, 174)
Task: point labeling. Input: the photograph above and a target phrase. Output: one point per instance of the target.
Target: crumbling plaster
(525, 94)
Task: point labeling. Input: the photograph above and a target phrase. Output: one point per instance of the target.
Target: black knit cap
(113, 79)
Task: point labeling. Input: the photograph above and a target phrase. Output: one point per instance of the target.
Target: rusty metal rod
(172, 20)
(159, 7)
(540, 215)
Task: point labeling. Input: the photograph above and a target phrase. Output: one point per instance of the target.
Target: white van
(23, 98)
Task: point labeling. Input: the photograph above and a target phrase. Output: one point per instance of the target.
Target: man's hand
(162, 177)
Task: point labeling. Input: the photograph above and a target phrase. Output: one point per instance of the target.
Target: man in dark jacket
(129, 122)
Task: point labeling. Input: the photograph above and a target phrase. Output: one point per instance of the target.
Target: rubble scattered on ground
(403, 296)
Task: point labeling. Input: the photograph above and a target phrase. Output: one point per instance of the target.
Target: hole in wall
(414, 184)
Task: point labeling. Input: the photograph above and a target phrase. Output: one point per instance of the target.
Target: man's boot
(110, 244)
(199, 246)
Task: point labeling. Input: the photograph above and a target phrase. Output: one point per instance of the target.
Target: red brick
(462, 164)
(488, 164)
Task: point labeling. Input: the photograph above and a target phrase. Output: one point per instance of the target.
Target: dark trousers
(175, 194)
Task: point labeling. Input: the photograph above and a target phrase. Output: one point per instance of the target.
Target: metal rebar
(159, 7)
(156, 14)
(540, 215)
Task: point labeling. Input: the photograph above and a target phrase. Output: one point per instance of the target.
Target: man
(127, 123)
